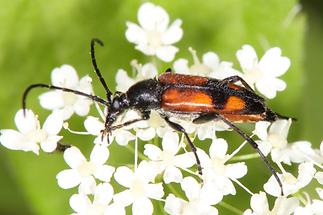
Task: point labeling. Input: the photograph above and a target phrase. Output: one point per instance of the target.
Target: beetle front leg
(234, 79)
(144, 116)
(179, 128)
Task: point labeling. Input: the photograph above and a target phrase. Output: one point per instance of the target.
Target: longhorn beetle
(200, 98)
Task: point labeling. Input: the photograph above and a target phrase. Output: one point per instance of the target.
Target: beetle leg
(203, 118)
(144, 116)
(179, 128)
(251, 142)
(234, 79)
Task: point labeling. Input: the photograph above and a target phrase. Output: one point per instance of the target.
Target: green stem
(245, 157)
(140, 154)
(230, 208)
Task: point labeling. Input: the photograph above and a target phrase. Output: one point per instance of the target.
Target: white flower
(260, 206)
(312, 207)
(67, 103)
(216, 172)
(145, 71)
(30, 135)
(210, 66)
(94, 126)
(200, 198)
(319, 177)
(148, 129)
(167, 159)
(140, 188)
(274, 140)
(264, 73)
(83, 172)
(154, 36)
(100, 205)
(291, 184)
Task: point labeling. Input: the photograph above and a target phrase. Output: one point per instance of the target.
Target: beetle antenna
(52, 87)
(255, 146)
(96, 69)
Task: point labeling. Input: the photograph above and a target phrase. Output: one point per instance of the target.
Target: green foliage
(37, 36)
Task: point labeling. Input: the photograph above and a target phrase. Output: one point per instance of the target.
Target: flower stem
(245, 157)
(231, 208)
(140, 154)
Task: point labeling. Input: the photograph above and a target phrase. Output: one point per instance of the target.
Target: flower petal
(65, 76)
(123, 137)
(191, 188)
(273, 64)
(146, 134)
(152, 17)
(123, 81)
(218, 148)
(53, 124)
(114, 209)
(166, 53)
(154, 191)
(93, 125)
(247, 57)
(68, 178)
(236, 170)
(148, 70)
(142, 206)
(285, 206)
(51, 100)
(170, 143)
(185, 160)
(74, 157)
(82, 106)
(80, 203)
(259, 203)
(124, 176)
(173, 205)
(50, 144)
(104, 173)
(26, 123)
(103, 194)
(181, 66)
(280, 127)
(152, 152)
(135, 34)
(319, 177)
(172, 174)
(261, 129)
(12, 139)
(211, 60)
(99, 155)
(87, 185)
(173, 34)
(123, 198)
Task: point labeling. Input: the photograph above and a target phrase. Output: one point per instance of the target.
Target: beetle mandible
(201, 99)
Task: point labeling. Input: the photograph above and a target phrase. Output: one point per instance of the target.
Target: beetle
(197, 98)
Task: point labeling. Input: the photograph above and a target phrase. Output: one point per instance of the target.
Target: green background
(36, 36)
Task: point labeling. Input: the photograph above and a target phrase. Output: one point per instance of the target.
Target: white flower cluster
(167, 174)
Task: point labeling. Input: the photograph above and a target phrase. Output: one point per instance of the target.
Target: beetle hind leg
(179, 128)
(234, 79)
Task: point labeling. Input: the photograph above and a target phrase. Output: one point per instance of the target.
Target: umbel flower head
(153, 35)
(30, 136)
